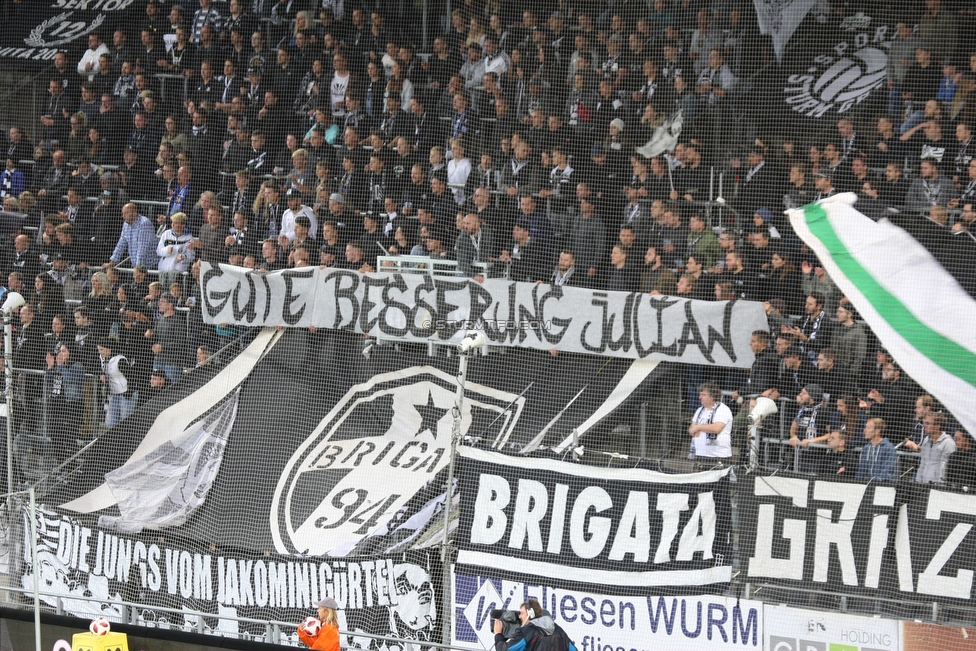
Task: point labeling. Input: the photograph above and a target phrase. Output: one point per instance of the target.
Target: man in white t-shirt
(339, 85)
(711, 426)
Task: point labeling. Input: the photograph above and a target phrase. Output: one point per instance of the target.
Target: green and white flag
(916, 308)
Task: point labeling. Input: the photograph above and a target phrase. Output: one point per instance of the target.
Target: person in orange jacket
(327, 639)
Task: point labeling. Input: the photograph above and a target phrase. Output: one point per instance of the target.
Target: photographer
(537, 633)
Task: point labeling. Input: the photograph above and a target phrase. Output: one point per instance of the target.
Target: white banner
(796, 629)
(601, 622)
(418, 307)
(163, 488)
(780, 18)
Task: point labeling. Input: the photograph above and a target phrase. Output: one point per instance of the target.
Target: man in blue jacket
(878, 455)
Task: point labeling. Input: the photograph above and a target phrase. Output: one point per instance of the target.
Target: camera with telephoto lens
(510, 621)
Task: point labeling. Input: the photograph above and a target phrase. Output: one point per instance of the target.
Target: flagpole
(473, 342)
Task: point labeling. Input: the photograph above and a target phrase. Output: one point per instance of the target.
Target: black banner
(629, 529)
(836, 68)
(383, 595)
(907, 541)
(331, 453)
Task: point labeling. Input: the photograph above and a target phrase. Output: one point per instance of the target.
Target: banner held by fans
(917, 309)
(628, 528)
(88, 571)
(419, 307)
(853, 538)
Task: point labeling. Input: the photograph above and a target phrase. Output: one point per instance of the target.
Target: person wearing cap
(432, 238)
(339, 213)
(327, 638)
(107, 220)
(158, 382)
(253, 90)
(295, 208)
(133, 176)
(615, 139)
(612, 66)
(823, 182)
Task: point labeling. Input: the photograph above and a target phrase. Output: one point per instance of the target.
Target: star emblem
(430, 414)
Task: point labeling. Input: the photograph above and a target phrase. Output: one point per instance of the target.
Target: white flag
(921, 314)
(164, 487)
(780, 18)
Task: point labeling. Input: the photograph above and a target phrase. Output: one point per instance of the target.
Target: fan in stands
(99, 626)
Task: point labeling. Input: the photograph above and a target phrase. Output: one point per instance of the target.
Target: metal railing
(422, 264)
(794, 456)
(275, 631)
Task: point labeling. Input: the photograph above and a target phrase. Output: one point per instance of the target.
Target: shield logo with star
(380, 444)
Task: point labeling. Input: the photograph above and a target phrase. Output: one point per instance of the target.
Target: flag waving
(917, 309)
(779, 19)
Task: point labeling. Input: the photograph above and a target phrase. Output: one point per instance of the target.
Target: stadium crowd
(532, 142)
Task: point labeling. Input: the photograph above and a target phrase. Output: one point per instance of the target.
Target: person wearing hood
(538, 632)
